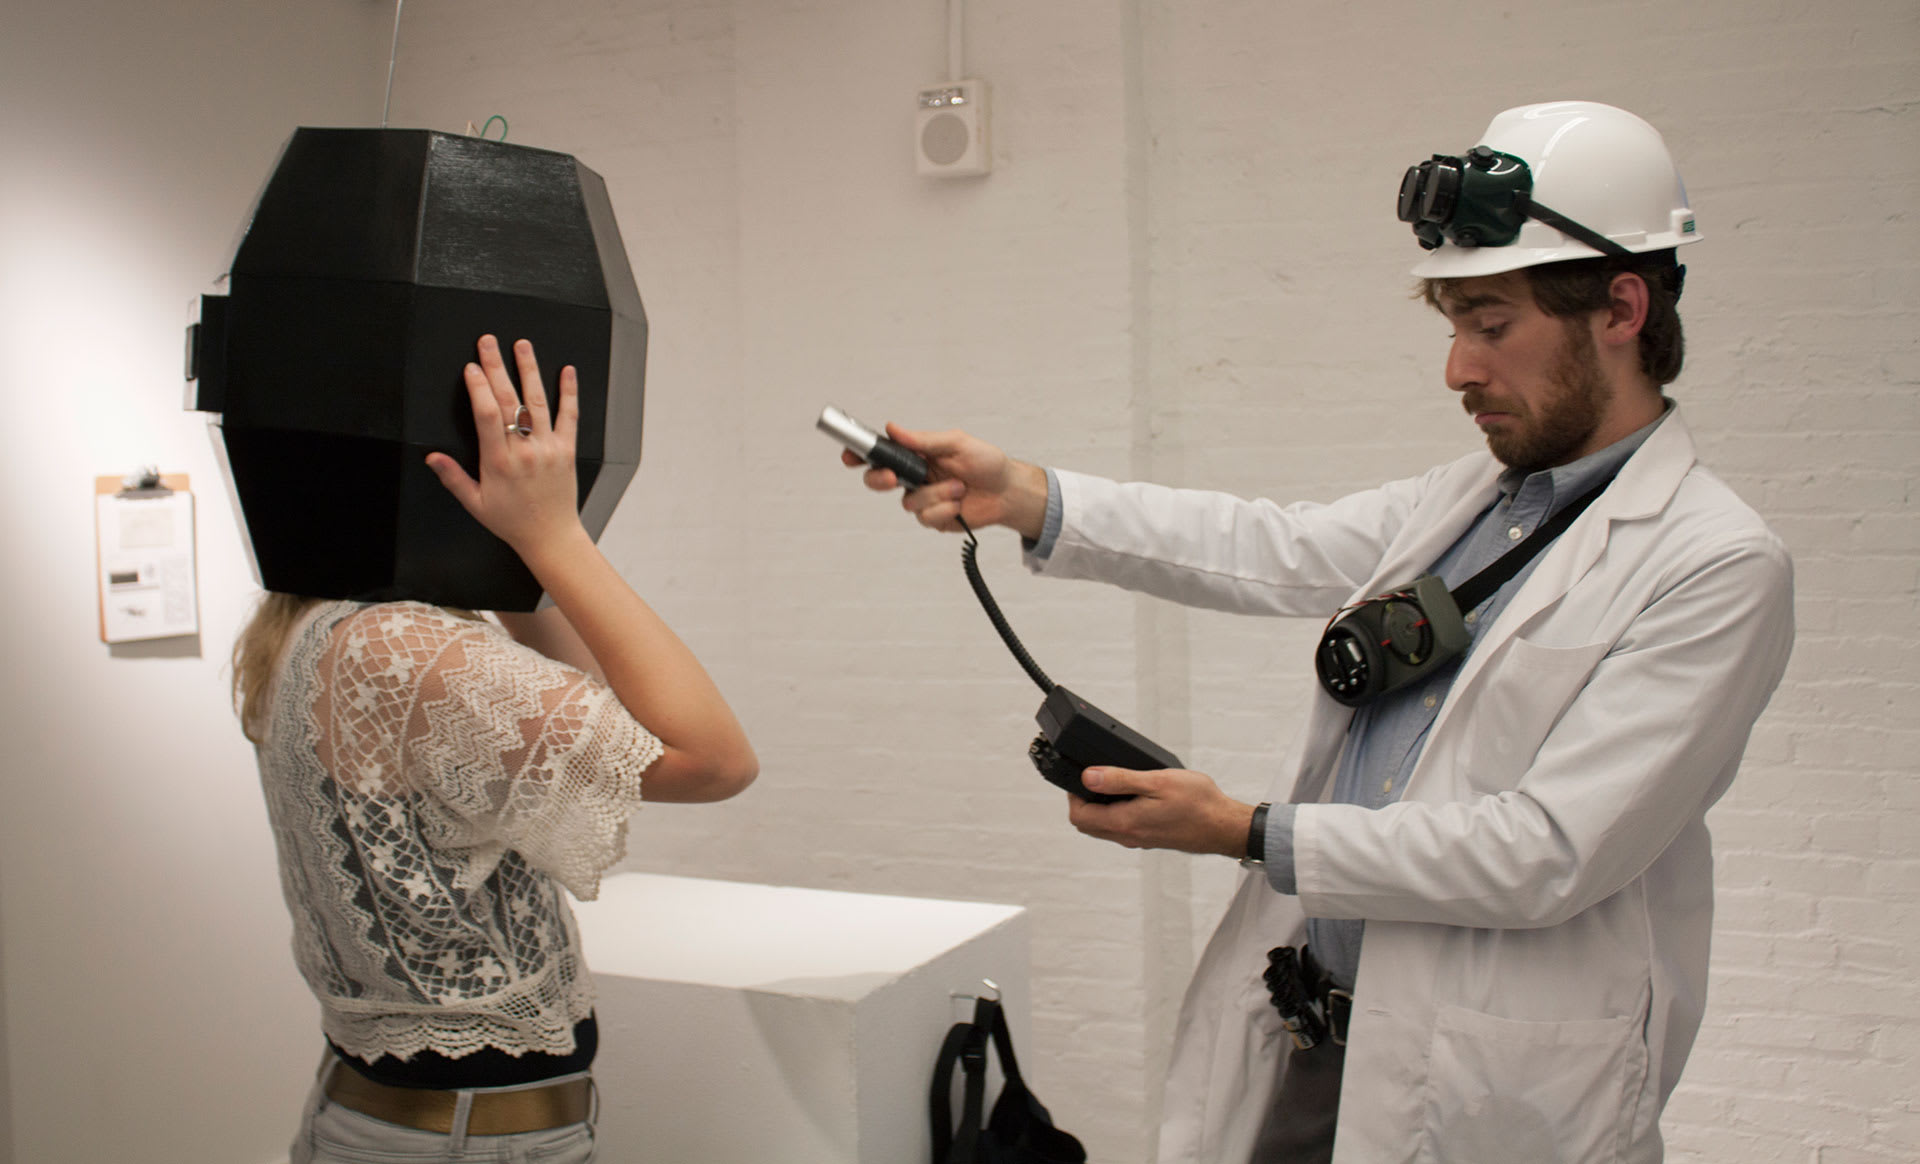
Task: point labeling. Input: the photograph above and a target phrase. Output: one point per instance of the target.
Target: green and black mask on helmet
(1481, 200)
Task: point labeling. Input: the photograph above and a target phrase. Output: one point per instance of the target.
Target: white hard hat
(1597, 174)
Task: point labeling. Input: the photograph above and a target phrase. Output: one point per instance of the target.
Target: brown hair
(1568, 289)
(255, 652)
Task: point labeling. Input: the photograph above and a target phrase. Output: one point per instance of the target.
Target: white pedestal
(756, 1024)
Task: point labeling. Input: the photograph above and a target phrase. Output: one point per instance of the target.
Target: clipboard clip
(144, 482)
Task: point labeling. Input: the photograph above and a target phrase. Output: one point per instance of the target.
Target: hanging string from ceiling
(393, 54)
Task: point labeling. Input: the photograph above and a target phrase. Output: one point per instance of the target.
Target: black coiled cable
(968, 560)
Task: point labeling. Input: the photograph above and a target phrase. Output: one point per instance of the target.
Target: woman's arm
(526, 495)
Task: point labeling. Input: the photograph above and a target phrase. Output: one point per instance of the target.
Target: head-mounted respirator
(1481, 200)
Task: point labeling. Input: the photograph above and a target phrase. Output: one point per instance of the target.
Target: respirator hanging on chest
(1389, 641)
(1398, 638)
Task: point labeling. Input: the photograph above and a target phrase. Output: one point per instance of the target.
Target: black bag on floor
(1019, 1131)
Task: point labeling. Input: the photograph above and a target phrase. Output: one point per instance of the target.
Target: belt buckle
(1339, 1013)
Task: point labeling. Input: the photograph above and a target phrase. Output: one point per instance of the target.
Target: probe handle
(906, 464)
(873, 448)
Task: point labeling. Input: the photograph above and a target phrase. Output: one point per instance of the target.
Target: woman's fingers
(485, 401)
(506, 401)
(497, 404)
(567, 423)
(525, 487)
(464, 488)
(533, 393)
(501, 412)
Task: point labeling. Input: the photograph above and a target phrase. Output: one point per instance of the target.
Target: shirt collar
(1576, 477)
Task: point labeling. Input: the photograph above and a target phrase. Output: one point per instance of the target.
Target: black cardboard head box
(373, 262)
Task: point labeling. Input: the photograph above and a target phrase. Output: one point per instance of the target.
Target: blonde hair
(256, 651)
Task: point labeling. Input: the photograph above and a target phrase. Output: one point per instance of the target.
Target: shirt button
(1515, 534)
(1386, 786)
(1430, 701)
(1472, 616)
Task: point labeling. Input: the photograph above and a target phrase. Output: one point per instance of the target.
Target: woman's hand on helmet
(526, 491)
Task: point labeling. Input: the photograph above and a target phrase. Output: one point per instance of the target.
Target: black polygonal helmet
(372, 263)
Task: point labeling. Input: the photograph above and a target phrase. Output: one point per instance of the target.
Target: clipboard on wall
(144, 551)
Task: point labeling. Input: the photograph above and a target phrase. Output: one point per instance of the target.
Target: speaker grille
(944, 139)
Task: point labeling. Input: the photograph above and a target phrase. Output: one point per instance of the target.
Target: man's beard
(1568, 419)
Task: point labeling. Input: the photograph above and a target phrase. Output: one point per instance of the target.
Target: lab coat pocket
(1502, 1089)
(1516, 701)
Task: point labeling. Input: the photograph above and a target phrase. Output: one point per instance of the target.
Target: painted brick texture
(1184, 268)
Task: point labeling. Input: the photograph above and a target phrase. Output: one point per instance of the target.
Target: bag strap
(1482, 586)
(1021, 1127)
(991, 1018)
(966, 1044)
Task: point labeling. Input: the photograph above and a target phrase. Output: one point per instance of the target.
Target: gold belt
(494, 1113)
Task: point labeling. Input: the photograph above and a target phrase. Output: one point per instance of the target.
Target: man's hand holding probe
(970, 480)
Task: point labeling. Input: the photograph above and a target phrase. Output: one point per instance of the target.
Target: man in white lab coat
(1517, 831)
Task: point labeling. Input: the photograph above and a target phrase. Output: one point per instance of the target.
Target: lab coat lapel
(1645, 485)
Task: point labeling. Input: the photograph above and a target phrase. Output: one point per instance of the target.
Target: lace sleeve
(505, 748)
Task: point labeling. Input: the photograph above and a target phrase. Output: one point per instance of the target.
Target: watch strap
(1257, 834)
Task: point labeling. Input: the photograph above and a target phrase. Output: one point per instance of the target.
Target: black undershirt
(487, 1067)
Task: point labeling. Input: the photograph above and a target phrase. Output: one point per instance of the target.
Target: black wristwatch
(1257, 836)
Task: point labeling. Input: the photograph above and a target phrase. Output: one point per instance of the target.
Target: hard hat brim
(1455, 262)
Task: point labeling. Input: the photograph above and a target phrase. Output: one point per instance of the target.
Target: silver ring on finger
(522, 422)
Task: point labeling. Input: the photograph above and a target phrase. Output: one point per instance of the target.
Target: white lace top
(429, 781)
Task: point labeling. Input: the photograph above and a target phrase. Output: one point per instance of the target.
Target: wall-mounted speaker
(950, 130)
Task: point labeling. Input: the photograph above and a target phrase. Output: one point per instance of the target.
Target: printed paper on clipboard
(147, 588)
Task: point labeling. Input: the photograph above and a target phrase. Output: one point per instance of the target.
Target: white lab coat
(1539, 903)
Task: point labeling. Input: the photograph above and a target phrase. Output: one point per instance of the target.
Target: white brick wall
(1184, 268)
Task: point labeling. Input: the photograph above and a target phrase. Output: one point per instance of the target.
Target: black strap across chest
(1487, 583)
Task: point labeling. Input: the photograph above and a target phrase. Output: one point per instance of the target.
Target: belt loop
(462, 1112)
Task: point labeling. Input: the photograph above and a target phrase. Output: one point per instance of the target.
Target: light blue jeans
(331, 1134)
